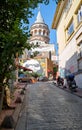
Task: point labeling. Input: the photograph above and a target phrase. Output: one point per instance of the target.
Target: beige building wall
(61, 34)
(64, 22)
(72, 10)
(70, 44)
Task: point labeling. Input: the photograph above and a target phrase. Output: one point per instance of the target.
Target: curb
(17, 112)
(74, 93)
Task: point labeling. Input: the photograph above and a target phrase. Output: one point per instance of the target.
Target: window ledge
(69, 37)
(79, 25)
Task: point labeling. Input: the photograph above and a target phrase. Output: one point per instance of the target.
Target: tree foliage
(13, 35)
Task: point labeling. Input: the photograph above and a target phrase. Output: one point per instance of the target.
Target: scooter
(72, 86)
(71, 83)
(60, 81)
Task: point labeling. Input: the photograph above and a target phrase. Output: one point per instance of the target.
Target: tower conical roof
(39, 18)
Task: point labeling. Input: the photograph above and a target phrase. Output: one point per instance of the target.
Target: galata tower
(39, 31)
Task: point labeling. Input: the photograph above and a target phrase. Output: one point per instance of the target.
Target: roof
(58, 13)
(24, 68)
(39, 18)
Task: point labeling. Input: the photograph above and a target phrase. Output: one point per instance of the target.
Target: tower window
(47, 33)
(44, 32)
(35, 32)
(32, 33)
(39, 32)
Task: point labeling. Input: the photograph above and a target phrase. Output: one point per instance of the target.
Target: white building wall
(78, 79)
(67, 54)
(68, 44)
(68, 58)
(61, 33)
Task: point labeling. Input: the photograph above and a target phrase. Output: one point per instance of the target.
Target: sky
(47, 12)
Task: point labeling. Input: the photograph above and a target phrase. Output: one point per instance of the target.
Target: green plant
(35, 75)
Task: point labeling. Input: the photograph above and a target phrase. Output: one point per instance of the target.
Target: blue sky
(47, 12)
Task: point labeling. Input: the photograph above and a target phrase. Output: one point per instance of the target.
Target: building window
(39, 32)
(80, 64)
(80, 50)
(40, 26)
(44, 32)
(36, 43)
(70, 29)
(32, 33)
(79, 14)
(35, 32)
(68, 5)
(79, 56)
(47, 34)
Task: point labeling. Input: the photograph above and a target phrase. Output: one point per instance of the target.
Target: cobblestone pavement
(47, 107)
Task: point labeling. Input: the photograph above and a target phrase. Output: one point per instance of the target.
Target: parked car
(24, 78)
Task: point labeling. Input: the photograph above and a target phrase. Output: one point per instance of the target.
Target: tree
(13, 34)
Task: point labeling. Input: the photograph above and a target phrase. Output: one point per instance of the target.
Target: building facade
(68, 23)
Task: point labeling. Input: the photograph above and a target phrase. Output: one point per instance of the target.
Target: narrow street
(47, 107)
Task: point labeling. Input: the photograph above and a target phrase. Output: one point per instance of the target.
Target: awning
(24, 68)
